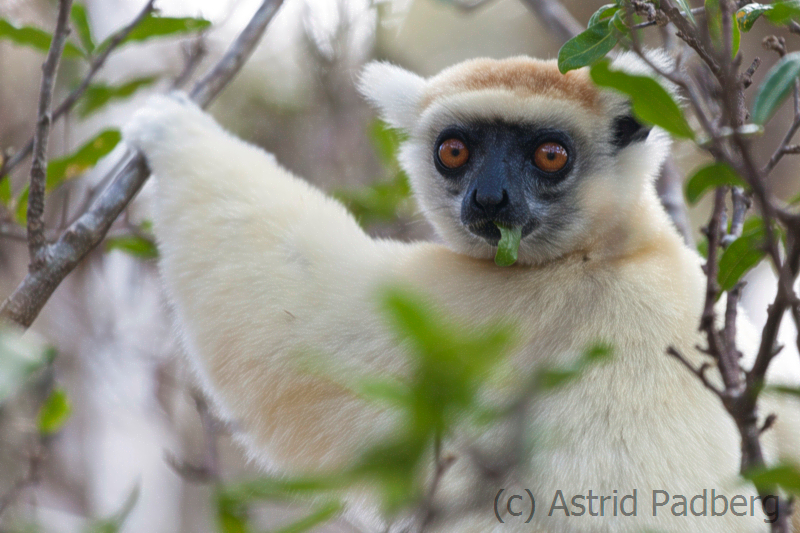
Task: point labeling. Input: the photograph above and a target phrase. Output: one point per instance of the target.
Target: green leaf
(749, 14)
(617, 25)
(81, 23)
(781, 389)
(5, 190)
(54, 413)
(388, 391)
(34, 38)
(651, 103)
(710, 177)
(134, 245)
(508, 247)
(386, 141)
(702, 249)
(687, 10)
(153, 26)
(743, 254)
(84, 158)
(737, 38)
(714, 21)
(781, 13)
(382, 201)
(22, 207)
(776, 87)
(231, 519)
(319, 516)
(19, 358)
(551, 378)
(785, 475)
(586, 48)
(98, 95)
(71, 166)
(604, 13)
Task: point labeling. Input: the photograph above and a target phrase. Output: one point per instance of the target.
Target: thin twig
(65, 106)
(741, 203)
(699, 372)
(24, 305)
(36, 240)
(206, 90)
(696, 11)
(193, 54)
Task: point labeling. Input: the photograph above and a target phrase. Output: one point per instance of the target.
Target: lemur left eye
(453, 153)
(550, 157)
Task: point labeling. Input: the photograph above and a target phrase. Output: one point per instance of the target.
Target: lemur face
(508, 173)
(518, 143)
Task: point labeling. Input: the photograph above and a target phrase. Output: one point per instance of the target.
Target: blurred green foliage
(388, 198)
(34, 38)
(451, 365)
(72, 166)
(140, 246)
(54, 413)
(20, 357)
(97, 95)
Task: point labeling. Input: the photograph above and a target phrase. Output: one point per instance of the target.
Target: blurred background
(135, 440)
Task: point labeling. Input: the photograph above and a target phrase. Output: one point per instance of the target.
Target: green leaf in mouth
(508, 246)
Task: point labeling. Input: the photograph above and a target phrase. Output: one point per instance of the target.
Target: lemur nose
(490, 202)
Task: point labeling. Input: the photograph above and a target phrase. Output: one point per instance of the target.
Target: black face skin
(500, 182)
(501, 176)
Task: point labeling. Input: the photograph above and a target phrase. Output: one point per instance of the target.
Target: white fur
(384, 82)
(263, 268)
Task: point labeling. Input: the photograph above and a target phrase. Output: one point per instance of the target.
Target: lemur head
(516, 142)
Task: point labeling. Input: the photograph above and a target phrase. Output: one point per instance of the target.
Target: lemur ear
(394, 91)
(628, 130)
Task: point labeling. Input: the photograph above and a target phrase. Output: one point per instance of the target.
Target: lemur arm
(263, 269)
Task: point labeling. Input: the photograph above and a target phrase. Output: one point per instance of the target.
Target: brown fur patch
(522, 75)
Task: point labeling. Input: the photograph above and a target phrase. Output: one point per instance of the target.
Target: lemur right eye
(453, 153)
(550, 157)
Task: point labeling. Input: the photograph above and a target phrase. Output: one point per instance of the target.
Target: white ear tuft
(394, 91)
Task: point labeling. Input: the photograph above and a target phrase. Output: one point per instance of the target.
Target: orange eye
(453, 153)
(550, 157)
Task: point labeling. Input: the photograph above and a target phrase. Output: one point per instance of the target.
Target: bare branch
(36, 240)
(24, 305)
(212, 83)
(655, 22)
(193, 54)
(65, 106)
(785, 148)
(699, 372)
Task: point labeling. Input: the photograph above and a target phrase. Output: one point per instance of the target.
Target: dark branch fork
(741, 388)
(36, 240)
(83, 235)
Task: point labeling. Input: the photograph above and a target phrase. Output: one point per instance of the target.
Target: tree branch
(36, 241)
(206, 90)
(24, 305)
(65, 106)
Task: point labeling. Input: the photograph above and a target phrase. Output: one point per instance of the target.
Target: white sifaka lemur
(261, 266)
